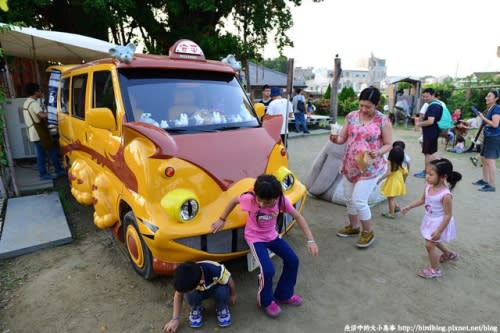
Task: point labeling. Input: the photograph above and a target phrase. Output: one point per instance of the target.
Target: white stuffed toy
(123, 53)
(231, 61)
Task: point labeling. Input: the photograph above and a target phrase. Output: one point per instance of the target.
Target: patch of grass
(67, 201)
(9, 280)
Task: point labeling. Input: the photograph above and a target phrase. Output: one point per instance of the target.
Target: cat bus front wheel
(138, 252)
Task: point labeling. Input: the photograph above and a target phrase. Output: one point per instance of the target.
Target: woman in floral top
(367, 134)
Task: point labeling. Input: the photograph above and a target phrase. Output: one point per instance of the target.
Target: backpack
(445, 123)
(301, 106)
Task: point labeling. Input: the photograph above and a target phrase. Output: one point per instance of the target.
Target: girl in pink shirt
(263, 207)
(438, 224)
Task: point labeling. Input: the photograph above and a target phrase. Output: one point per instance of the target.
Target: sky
(416, 38)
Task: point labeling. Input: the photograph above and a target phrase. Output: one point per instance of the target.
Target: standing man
(280, 106)
(299, 111)
(33, 113)
(266, 97)
(430, 128)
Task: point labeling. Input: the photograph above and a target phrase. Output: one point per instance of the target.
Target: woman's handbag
(43, 132)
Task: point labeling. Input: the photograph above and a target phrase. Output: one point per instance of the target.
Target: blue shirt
(488, 130)
(213, 273)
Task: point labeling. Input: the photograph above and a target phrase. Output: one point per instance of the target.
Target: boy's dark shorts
(491, 147)
(430, 146)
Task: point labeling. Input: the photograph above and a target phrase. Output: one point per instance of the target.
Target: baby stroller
(475, 145)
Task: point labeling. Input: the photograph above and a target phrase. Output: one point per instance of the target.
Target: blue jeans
(288, 279)
(219, 292)
(41, 155)
(300, 121)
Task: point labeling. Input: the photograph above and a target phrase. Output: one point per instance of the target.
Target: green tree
(348, 101)
(444, 90)
(279, 64)
(466, 92)
(347, 93)
(159, 23)
(328, 92)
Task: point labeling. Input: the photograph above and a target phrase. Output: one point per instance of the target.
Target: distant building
(377, 71)
(319, 84)
(477, 75)
(357, 79)
(305, 74)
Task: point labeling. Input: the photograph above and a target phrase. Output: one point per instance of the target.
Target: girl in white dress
(438, 224)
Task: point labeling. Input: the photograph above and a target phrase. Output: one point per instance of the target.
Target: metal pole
(37, 69)
(289, 88)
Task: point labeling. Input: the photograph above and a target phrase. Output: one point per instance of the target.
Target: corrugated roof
(409, 79)
(261, 75)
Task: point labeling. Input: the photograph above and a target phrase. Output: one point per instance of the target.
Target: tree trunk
(337, 71)
(247, 78)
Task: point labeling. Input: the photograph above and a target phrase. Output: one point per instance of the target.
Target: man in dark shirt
(266, 96)
(430, 128)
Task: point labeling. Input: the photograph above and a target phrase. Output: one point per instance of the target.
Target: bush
(328, 92)
(322, 106)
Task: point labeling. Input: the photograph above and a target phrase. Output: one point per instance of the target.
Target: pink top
(360, 138)
(261, 222)
(434, 214)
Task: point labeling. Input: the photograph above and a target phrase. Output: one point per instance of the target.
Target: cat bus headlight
(286, 178)
(182, 205)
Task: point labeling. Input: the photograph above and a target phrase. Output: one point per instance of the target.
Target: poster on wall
(55, 78)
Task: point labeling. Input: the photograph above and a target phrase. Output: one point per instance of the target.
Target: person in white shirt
(33, 113)
(280, 106)
(420, 115)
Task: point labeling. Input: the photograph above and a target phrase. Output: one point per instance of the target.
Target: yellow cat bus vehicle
(159, 145)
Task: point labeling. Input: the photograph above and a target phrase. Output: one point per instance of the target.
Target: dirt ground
(89, 286)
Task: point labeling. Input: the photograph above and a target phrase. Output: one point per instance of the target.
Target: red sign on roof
(186, 49)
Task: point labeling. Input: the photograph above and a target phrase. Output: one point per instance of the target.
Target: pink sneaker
(273, 310)
(295, 300)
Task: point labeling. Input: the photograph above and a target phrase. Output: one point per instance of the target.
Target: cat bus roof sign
(186, 49)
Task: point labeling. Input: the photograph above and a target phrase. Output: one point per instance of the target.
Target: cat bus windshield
(180, 101)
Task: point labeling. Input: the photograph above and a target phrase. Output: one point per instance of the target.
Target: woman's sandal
(453, 256)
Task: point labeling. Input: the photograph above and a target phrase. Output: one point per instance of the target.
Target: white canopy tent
(43, 45)
(55, 46)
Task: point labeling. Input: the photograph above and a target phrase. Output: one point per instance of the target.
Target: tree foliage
(279, 64)
(220, 27)
(348, 101)
(465, 93)
(328, 92)
(346, 93)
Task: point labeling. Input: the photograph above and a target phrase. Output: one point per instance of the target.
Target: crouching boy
(197, 281)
